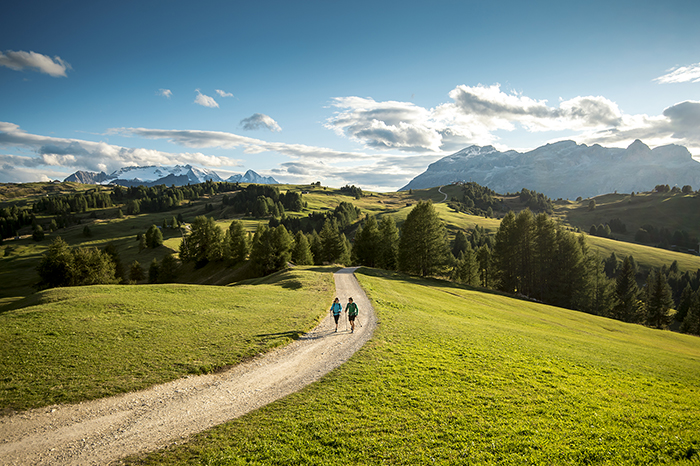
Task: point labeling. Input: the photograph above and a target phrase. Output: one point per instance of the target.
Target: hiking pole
(358, 321)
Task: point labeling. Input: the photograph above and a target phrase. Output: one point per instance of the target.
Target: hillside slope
(456, 376)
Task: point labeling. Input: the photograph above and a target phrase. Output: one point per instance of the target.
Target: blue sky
(365, 93)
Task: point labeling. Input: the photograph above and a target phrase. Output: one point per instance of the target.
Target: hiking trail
(103, 431)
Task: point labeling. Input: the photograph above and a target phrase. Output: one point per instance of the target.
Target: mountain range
(565, 169)
(178, 175)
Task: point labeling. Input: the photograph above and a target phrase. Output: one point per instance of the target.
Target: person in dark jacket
(352, 311)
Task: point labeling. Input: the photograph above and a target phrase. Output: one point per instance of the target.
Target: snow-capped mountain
(251, 177)
(566, 169)
(153, 175)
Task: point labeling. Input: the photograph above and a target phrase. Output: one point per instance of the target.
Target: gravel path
(103, 431)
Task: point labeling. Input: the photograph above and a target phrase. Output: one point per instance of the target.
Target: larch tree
(423, 245)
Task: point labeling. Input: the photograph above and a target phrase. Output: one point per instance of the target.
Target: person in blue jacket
(336, 309)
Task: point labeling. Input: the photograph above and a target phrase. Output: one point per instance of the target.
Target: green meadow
(73, 344)
(460, 376)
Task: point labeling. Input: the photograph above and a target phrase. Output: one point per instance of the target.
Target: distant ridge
(565, 169)
(153, 175)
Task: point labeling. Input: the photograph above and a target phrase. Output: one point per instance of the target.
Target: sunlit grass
(81, 343)
(454, 376)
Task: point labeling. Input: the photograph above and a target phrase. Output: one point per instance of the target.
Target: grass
(673, 211)
(457, 376)
(646, 256)
(81, 343)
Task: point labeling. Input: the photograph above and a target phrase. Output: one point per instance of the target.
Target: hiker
(352, 311)
(336, 309)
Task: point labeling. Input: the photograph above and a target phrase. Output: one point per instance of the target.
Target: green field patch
(82, 343)
(458, 376)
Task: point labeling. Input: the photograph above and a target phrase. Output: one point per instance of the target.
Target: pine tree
(626, 307)
(316, 247)
(301, 253)
(55, 267)
(485, 262)
(153, 271)
(658, 300)
(466, 268)
(111, 250)
(203, 244)
(365, 251)
(154, 237)
(460, 244)
(684, 302)
(691, 323)
(235, 245)
(271, 249)
(388, 253)
(168, 269)
(331, 241)
(136, 273)
(423, 243)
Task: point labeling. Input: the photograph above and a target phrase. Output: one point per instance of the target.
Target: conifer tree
(316, 247)
(136, 273)
(423, 245)
(55, 267)
(691, 322)
(153, 271)
(460, 244)
(301, 254)
(658, 300)
(168, 269)
(332, 243)
(271, 249)
(626, 307)
(388, 254)
(235, 244)
(466, 269)
(484, 259)
(365, 251)
(154, 237)
(203, 244)
(684, 302)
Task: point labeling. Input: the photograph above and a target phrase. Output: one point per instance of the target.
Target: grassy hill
(19, 258)
(72, 344)
(674, 211)
(458, 376)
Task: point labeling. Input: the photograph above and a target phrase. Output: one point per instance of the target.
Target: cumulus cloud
(260, 121)
(94, 156)
(477, 113)
(165, 93)
(223, 93)
(21, 60)
(681, 74)
(205, 100)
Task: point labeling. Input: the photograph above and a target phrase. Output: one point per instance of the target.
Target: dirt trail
(103, 431)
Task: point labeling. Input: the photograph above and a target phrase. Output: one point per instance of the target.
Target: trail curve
(105, 430)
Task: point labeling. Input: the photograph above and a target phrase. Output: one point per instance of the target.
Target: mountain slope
(565, 169)
(178, 175)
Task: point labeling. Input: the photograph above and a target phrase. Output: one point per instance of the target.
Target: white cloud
(681, 74)
(202, 139)
(223, 93)
(94, 156)
(260, 121)
(165, 93)
(205, 100)
(43, 63)
(477, 113)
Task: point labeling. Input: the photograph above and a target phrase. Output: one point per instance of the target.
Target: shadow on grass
(293, 334)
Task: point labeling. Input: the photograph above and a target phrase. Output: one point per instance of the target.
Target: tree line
(531, 256)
